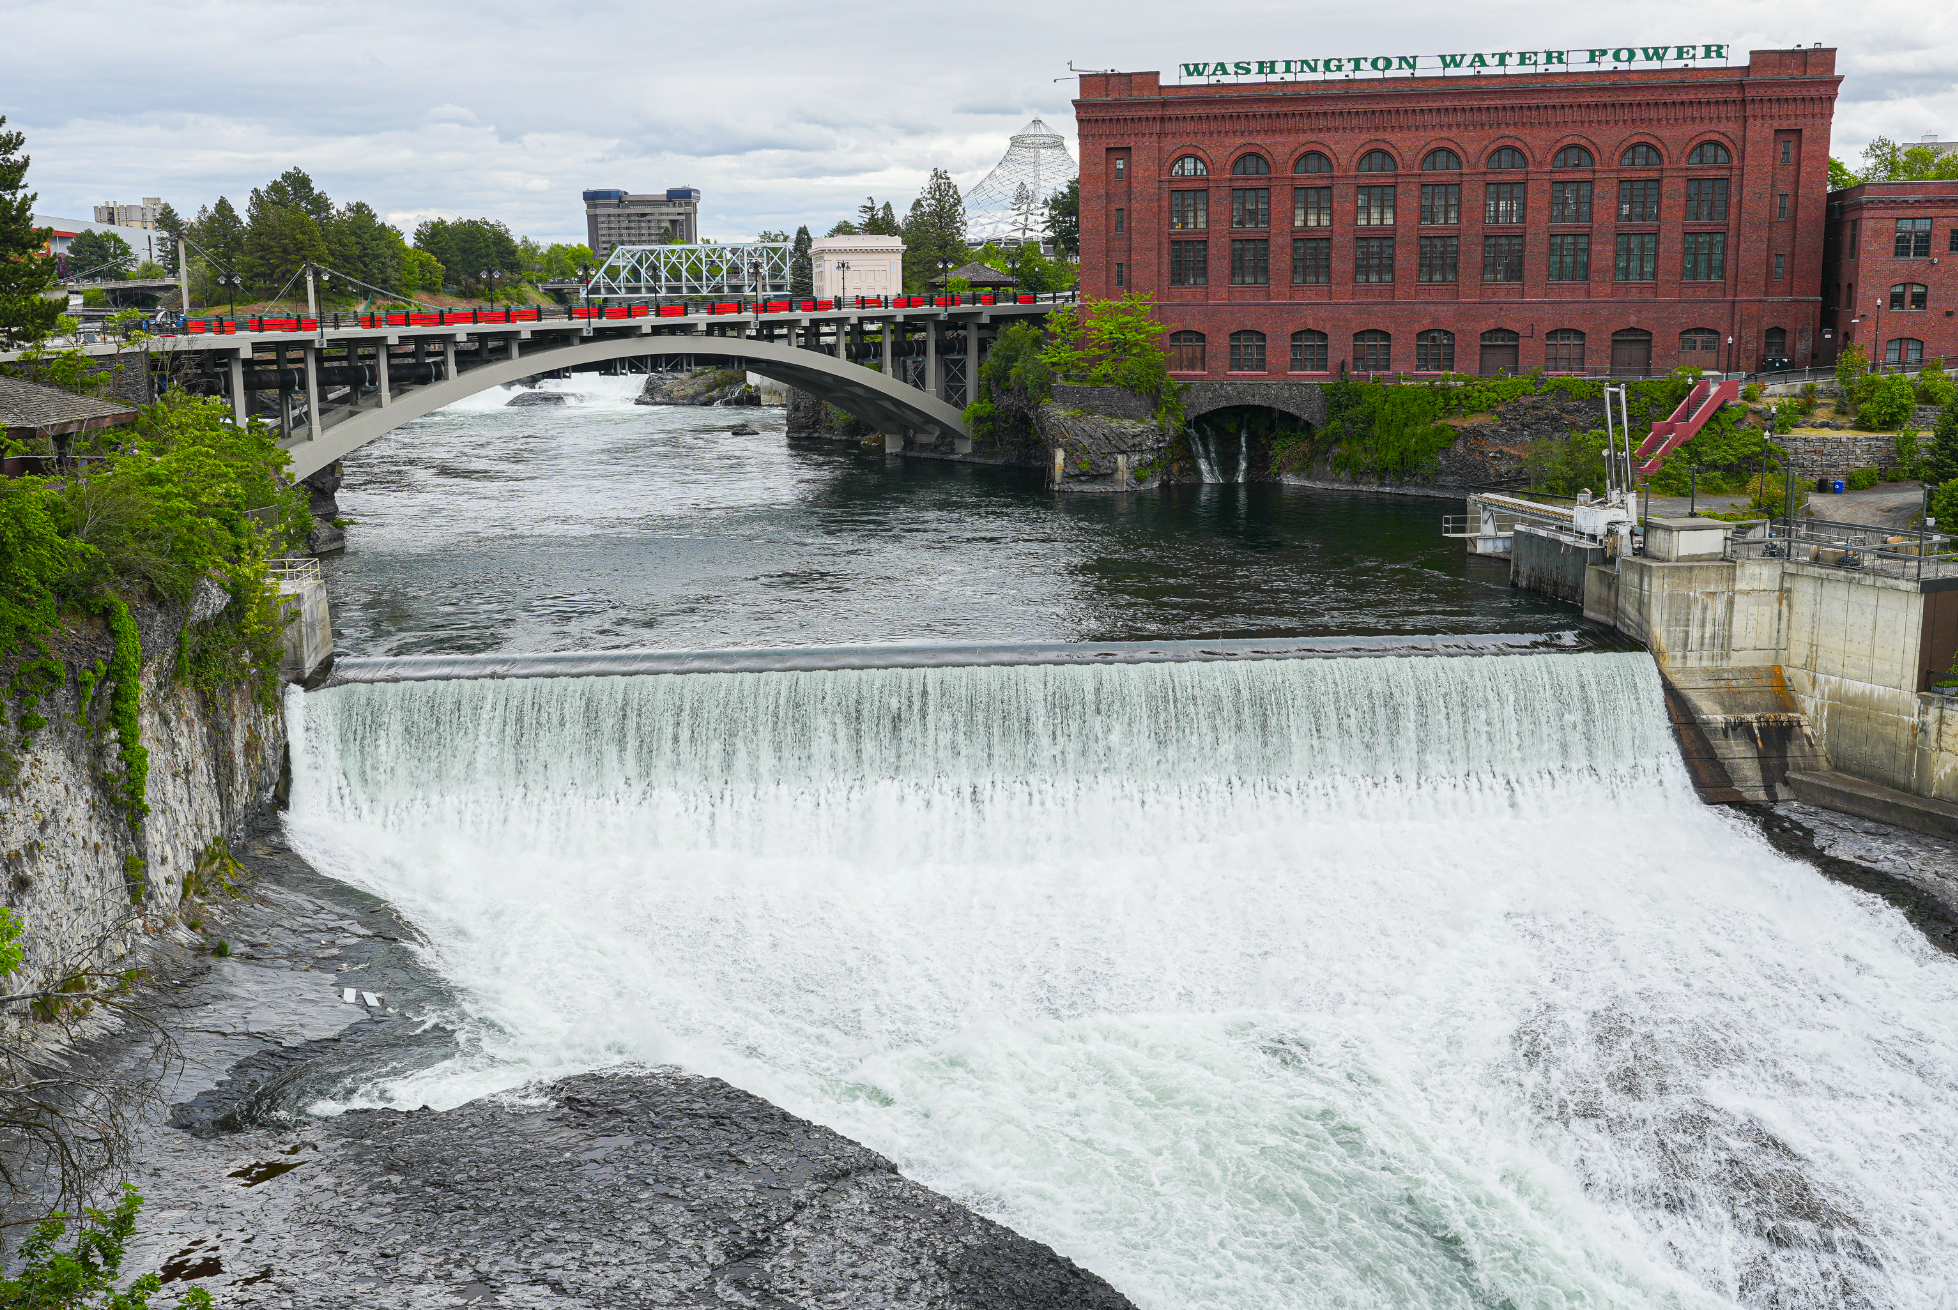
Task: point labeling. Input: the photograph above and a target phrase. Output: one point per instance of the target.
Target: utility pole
(183, 278)
(312, 300)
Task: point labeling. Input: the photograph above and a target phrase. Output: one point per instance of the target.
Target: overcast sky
(779, 113)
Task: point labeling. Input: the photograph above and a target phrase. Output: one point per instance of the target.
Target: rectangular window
(1189, 211)
(1251, 207)
(1502, 202)
(1570, 258)
(1189, 263)
(1250, 263)
(1502, 259)
(1373, 259)
(1439, 258)
(1441, 205)
(1247, 352)
(1121, 165)
(1308, 352)
(1570, 202)
(1638, 257)
(1913, 238)
(1781, 207)
(1376, 207)
(1706, 257)
(1706, 200)
(1312, 261)
(1312, 206)
(1120, 276)
(1780, 267)
(1954, 239)
(1121, 220)
(1638, 202)
(1787, 152)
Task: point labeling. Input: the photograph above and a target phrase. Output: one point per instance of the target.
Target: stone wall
(809, 416)
(1837, 454)
(66, 841)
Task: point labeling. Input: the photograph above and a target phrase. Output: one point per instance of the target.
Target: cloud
(780, 114)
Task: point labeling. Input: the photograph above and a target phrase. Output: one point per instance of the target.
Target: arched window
(1501, 353)
(1631, 353)
(1373, 352)
(1640, 156)
(1909, 295)
(1709, 152)
(1189, 166)
(1774, 344)
(1563, 350)
(1508, 157)
(1571, 157)
(1186, 352)
(1378, 161)
(1247, 352)
(1313, 162)
(1434, 351)
(1441, 161)
(1308, 351)
(1702, 342)
(1250, 166)
(1904, 350)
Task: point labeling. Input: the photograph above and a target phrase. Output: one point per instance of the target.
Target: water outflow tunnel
(1245, 982)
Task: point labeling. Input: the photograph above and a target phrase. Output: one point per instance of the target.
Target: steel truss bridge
(906, 366)
(742, 268)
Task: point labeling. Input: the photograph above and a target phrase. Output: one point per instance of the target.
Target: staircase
(1701, 404)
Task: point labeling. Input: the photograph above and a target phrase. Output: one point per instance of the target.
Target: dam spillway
(1248, 983)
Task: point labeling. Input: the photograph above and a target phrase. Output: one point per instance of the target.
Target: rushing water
(606, 524)
(1410, 981)
(1396, 981)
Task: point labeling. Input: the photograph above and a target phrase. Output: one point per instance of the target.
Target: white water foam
(1371, 982)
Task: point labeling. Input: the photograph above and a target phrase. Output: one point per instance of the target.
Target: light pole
(1693, 504)
(231, 281)
(843, 276)
(488, 275)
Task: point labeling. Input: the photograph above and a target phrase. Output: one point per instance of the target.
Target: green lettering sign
(1488, 59)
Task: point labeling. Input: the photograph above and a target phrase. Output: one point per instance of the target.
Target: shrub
(1933, 387)
(86, 1274)
(1940, 463)
(1851, 368)
(1944, 506)
(1862, 479)
(1887, 403)
(1751, 392)
(1907, 455)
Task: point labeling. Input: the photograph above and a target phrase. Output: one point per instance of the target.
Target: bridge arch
(867, 394)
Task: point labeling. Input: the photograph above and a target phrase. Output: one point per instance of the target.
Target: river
(1338, 982)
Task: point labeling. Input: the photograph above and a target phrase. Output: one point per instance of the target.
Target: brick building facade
(1890, 271)
(1625, 221)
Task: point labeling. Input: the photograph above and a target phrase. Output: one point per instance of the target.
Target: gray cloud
(779, 113)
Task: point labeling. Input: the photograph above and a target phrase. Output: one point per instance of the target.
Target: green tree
(844, 227)
(1852, 366)
(1064, 219)
(294, 189)
(1887, 402)
(1886, 161)
(420, 272)
(360, 244)
(468, 247)
(84, 1276)
(100, 257)
(934, 232)
(1841, 175)
(171, 224)
(1940, 461)
(874, 220)
(26, 271)
(218, 233)
(802, 278)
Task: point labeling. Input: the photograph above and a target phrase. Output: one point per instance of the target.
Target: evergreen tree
(25, 272)
(1064, 220)
(802, 277)
(171, 224)
(844, 228)
(358, 243)
(934, 232)
(887, 224)
(279, 240)
(467, 247)
(1940, 463)
(99, 257)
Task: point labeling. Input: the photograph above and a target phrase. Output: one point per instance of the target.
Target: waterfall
(1252, 984)
(1206, 458)
(1243, 453)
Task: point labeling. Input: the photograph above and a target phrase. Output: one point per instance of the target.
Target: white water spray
(1408, 981)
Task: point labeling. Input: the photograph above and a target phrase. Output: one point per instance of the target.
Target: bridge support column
(961, 445)
(312, 391)
(240, 411)
(1121, 473)
(972, 361)
(1060, 467)
(933, 383)
(381, 353)
(449, 360)
(889, 331)
(893, 443)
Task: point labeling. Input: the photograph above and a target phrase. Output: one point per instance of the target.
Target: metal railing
(295, 569)
(1913, 554)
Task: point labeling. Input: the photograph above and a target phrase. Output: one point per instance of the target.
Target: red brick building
(1890, 271)
(1623, 221)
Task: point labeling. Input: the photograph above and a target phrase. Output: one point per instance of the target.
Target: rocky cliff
(87, 877)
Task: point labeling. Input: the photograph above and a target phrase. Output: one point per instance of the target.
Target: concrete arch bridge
(334, 389)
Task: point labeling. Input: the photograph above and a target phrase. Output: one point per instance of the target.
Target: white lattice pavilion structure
(1008, 204)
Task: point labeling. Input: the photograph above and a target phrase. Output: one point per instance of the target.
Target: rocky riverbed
(626, 1187)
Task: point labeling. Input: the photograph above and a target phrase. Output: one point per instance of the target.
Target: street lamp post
(231, 281)
(843, 278)
(488, 275)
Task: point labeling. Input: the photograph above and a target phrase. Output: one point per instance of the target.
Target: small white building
(856, 266)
